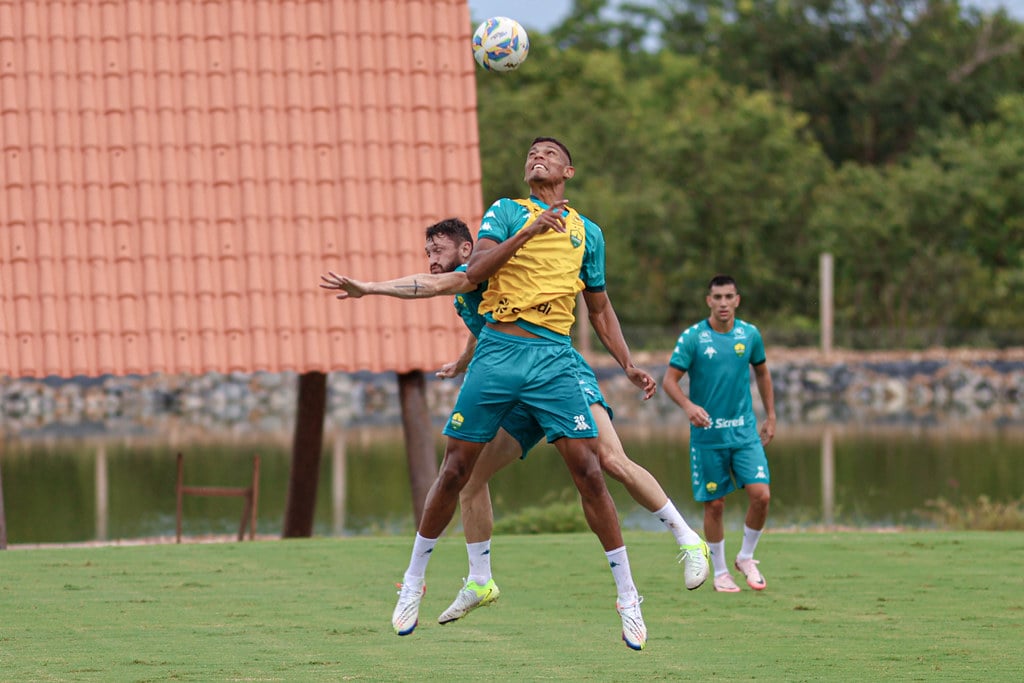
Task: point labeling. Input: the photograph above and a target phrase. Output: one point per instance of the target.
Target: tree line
(749, 136)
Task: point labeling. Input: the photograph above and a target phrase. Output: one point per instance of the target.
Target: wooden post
(3, 515)
(102, 493)
(253, 500)
(307, 441)
(828, 478)
(826, 273)
(339, 464)
(419, 438)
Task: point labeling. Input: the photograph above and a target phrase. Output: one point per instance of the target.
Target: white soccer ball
(500, 44)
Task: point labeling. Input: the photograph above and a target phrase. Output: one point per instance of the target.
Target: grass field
(921, 606)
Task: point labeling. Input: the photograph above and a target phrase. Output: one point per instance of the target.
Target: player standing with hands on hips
(726, 448)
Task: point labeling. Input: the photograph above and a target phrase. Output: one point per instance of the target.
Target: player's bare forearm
(697, 416)
(488, 255)
(763, 378)
(609, 331)
(458, 366)
(419, 286)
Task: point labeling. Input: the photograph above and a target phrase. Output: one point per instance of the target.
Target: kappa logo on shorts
(761, 474)
(581, 423)
(456, 420)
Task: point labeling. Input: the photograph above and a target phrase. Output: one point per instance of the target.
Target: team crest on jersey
(739, 349)
(576, 237)
(711, 487)
(457, 420)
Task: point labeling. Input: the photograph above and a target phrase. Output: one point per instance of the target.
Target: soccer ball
(500, 44)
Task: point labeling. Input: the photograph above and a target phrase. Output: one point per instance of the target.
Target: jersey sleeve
(757, 355)
(592, 270)
(467, 306)
(501, 220)
(682, 355)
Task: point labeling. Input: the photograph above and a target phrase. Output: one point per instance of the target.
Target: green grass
(839, 606)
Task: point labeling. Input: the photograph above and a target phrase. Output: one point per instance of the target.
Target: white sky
(545, 14)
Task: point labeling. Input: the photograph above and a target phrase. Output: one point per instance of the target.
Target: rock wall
(937, 386)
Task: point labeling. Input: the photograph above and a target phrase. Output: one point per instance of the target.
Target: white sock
(718, 557)
(479, 561)
(750, 538)
(421, 550)
(671, 518)
(619, 562)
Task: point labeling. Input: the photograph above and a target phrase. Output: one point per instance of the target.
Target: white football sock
(619, 562)
(750, 538)
(671, 518)
(421, 551)
(479, 561)
(718, 557)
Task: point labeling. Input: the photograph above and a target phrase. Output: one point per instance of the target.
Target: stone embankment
(979, 388)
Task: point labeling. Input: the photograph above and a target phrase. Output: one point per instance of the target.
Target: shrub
(979, 515)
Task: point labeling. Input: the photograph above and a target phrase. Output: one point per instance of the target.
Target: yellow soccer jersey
(537, 287)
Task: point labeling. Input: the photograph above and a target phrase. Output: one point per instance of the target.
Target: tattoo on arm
(415, 286)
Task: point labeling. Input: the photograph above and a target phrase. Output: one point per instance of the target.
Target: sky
(546, 14)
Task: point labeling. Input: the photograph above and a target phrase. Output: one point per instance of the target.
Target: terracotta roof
(176, 175)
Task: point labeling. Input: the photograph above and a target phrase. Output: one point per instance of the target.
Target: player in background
(726, 447)
(448, 246)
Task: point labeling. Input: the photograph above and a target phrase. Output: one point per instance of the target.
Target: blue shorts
(521, 424)
(507, 370)
(713, 470)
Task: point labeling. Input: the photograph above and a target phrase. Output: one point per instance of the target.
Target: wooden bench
(249, 493)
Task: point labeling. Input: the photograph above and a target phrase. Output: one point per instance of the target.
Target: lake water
(60, 491)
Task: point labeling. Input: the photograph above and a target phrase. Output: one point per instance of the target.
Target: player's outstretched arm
(606, 324)
(419, 286)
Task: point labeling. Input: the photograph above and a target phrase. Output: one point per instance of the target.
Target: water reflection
(69, 492)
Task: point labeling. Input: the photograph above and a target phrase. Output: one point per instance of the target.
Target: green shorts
(507, 370)
(525, 429)
(716, 472)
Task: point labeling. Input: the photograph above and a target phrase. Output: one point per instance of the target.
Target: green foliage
(979, 515)
(749, 136)
(561, 516)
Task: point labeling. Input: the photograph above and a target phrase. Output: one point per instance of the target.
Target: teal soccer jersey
(468, 306)
(719, 369)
